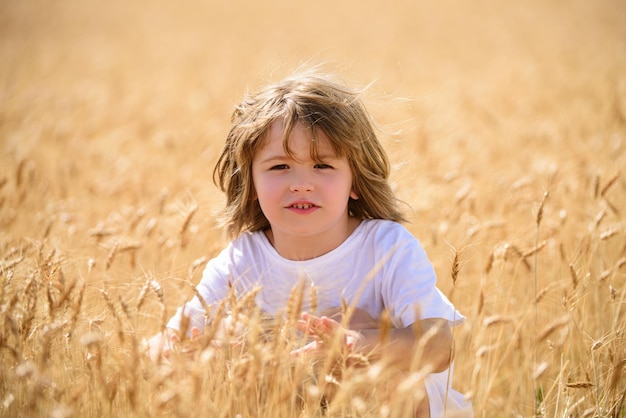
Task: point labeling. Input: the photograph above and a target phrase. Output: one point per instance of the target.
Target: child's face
(302, 198)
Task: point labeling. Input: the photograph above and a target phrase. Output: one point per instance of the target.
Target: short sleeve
(410, 290)
(213, 287)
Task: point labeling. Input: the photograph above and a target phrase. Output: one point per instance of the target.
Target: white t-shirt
(379, 266)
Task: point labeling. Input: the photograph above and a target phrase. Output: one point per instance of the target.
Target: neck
(308, 247)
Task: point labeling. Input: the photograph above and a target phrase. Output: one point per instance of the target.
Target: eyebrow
(281, 158)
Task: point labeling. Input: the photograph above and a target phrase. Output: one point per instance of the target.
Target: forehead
(300, 143)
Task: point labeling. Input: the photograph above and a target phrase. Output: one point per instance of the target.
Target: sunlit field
(506, 125)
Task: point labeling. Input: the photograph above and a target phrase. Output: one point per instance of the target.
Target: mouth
(302, 206)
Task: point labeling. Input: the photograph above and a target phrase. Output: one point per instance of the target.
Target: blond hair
(318, 102)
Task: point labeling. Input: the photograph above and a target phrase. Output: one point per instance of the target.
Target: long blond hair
(318, 102)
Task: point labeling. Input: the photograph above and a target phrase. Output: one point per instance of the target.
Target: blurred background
(112, 115)
(114, 103)
(139, 75)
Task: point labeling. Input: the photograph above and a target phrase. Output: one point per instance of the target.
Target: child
(308, 200)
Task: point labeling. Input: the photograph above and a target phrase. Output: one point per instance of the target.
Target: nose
(301, 187)
(301, 183)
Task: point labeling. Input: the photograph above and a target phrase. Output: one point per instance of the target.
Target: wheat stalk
(184, 239)
(608, 184)
(538, 219)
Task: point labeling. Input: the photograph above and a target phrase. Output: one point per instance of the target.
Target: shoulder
(238, 256)
(249, 238)
(395, 243)
(245, 246)
(381, 230)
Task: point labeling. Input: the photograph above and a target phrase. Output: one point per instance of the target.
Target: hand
(359, 319)
(326, 332)
(160, 346)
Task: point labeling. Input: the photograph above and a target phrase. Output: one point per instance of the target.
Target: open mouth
(302, 206)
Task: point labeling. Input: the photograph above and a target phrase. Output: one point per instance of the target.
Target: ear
(353, 195)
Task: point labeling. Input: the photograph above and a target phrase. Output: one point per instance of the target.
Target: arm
(430, 339)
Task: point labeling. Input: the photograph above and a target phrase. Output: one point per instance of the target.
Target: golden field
(506, 124)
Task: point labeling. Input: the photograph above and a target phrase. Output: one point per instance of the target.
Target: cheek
(264, 189)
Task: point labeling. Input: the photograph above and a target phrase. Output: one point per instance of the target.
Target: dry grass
(111, 117)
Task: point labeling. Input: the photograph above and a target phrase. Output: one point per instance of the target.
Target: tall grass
(112, 117)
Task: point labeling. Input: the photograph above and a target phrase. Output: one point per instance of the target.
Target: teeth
(302, 206)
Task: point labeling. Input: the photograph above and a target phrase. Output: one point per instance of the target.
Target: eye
(323, 166)
(278, 167)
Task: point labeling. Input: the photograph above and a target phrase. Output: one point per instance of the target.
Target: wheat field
(506, 125)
